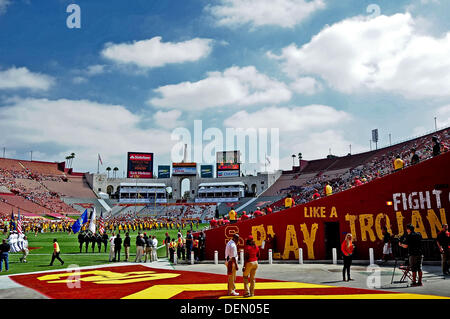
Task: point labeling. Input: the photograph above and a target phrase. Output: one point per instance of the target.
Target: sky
(308, 76)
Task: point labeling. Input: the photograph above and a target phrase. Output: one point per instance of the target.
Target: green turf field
(39, 259)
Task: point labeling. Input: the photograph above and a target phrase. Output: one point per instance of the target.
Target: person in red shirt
(251, 255)
(316, 194)
(213, 223)
(258, 212)
(347, 252)
(244, 216)
(225, 221)
(358, 182)
(269, 210)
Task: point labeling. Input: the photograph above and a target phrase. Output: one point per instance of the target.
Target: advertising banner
(206, 171)
(181, 169)
(140, 165)
(164, 171)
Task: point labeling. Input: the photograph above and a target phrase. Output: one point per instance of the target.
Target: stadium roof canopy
(143, 184)
(222, 184)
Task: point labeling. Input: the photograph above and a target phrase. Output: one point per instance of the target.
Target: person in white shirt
(155, 249)
(111, 247)
(24, 250)
(231, 256)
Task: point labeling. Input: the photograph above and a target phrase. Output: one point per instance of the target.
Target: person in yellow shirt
(398, 163)
(232, 216)
(289, 201)
(328, 189)
(56, 252)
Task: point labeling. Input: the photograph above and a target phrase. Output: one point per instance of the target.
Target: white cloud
(306, 85)
(311, 130)
(153, 53)
(443, 116)
(234, 86)
(87, 128)
(79, 80)
(294, 119)
(385, 53)
(95, 69)
(283, 13)
(317, 144)
(168, 119)
(22, 78)
(3, 5)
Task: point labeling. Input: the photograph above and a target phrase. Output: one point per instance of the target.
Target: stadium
(368, 194)
(224, 158)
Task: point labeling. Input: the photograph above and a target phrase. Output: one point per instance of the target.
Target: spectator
(126, 245)
(387, 248)
(328, 189)
(4, 255)
(436, 146)
(316, 194)
(289, 201)
(148, 251)
(172, 248)
(189, 244)
(398, 163)
(347, 252)
(155, 249)
(358, 181)
(232, 215)
(415, 159)
(443, 243)
(251, 255)
(258, 212)
(231, 264)
(202, 245)
(413, 243)
(244, 216)
(167, 243)
(140, 244)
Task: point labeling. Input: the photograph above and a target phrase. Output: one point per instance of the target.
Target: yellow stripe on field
(169, 291)
(349, 296)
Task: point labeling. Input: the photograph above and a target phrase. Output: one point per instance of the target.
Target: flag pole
(98, 164)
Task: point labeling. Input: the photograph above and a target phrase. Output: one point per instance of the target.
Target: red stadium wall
(419, 195)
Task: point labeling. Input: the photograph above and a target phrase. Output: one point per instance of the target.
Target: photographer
(413, 242)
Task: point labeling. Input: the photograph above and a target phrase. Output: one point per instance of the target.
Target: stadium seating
(73, 187)
(341, 171)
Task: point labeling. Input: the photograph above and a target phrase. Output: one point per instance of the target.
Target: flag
(80, 222)
(13, 224)
(19, 223)
(100, 159)
(92, 222)
(101, 228)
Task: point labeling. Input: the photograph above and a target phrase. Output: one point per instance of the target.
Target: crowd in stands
(28, 185)
(383, 163)
(179, 212)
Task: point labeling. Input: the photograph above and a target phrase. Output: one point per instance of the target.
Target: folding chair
(406, 270)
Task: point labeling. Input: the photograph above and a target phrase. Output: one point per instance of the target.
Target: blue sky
(325, 73)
